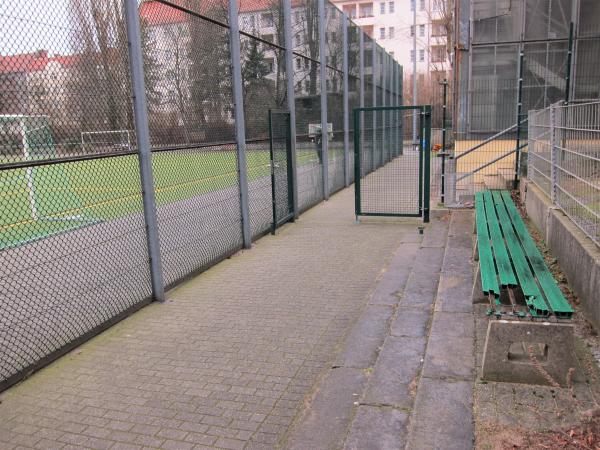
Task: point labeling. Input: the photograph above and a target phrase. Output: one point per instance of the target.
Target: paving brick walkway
(229, 359)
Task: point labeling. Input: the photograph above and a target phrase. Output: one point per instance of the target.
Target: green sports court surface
(46, 200)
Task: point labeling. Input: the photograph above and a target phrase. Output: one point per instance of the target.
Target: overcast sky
(29, 25)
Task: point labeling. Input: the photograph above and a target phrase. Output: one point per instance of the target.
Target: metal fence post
(374, 100)
(553, 153)
(323, 73)
(140, 112)
(426, 160)
(240, 129)
(345, 99)
(361, 68)
(291, 98)
(444, 109)
(383, 113)
(519, 112)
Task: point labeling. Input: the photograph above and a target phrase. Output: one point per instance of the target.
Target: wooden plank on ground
(487, 269)
(505, 270)
(533, 295)
(559, 305)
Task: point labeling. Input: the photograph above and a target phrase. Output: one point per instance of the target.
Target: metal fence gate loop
(392, 176)
(282, 175)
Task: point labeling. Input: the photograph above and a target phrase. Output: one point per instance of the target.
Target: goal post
(40, 193)
(108, 141)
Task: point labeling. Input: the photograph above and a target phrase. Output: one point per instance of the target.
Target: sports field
(45, 200)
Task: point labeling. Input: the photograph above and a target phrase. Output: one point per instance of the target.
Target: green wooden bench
(529, 316)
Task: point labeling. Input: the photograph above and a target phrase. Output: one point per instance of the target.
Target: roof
(33, 62)
(156, 13)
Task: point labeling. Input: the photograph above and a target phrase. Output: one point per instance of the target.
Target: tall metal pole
(374, 99)
(345, 99)
(569, 58)
(240, 130)
(415, 101)
(323, 73)
(140, 113)
(291, 100)
(519, 113)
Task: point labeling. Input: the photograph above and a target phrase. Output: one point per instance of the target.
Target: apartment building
(390, 22)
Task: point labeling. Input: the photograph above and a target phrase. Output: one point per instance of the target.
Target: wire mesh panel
(72, 234)
(577, 165)
(196, 181)
(280, 151)
(540, 149)
(400, 186)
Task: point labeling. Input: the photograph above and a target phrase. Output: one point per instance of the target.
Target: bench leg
(506, 356)
(477, 295)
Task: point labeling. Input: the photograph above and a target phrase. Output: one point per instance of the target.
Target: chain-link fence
(564, 160)
(134, 147)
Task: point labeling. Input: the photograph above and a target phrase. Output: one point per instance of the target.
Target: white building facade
(390, 23)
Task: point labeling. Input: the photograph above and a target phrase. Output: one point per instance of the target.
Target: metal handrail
(488, 140)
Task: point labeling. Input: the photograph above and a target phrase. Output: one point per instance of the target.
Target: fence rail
(564, 160)
(134, 147)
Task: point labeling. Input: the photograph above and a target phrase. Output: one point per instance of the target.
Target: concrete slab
(366, 338)
(443, 416)
(449, 357)
(397, 367)
(326, 417)
(377, 428)
(411, 322)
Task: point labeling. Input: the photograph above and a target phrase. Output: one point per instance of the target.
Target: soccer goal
(110, 141)
(34, 195)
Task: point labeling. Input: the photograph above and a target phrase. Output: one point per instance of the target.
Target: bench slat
(505, 270)
(533, 296)
(489, 281)
(557, 301)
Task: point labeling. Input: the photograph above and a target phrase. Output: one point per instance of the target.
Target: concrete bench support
(506, 355)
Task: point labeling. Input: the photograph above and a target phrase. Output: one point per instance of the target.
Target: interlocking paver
(236, 349)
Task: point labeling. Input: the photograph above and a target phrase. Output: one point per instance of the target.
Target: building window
(412, 30)
(270, 63)
(382, 33)
(307, 85)
(412, 56)
(266, 20)
(368, 30)
(438, 28)
(299, 86)
(391, 8)
(307, 64)
(421, 30)
(422, 5)
(298, 16)
(365, 10)
(421, 55)
(298, 39)
(391, 33)
(267, 37)
(382, 8)
(298, 64)
(350, 10)
(438, 53)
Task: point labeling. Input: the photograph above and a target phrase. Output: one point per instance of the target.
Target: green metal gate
(392, 161)
(280, 153)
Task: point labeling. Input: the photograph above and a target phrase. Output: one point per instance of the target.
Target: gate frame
(290, 216)
(424, 159)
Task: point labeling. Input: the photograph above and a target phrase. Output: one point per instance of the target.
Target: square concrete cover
(554, 351)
